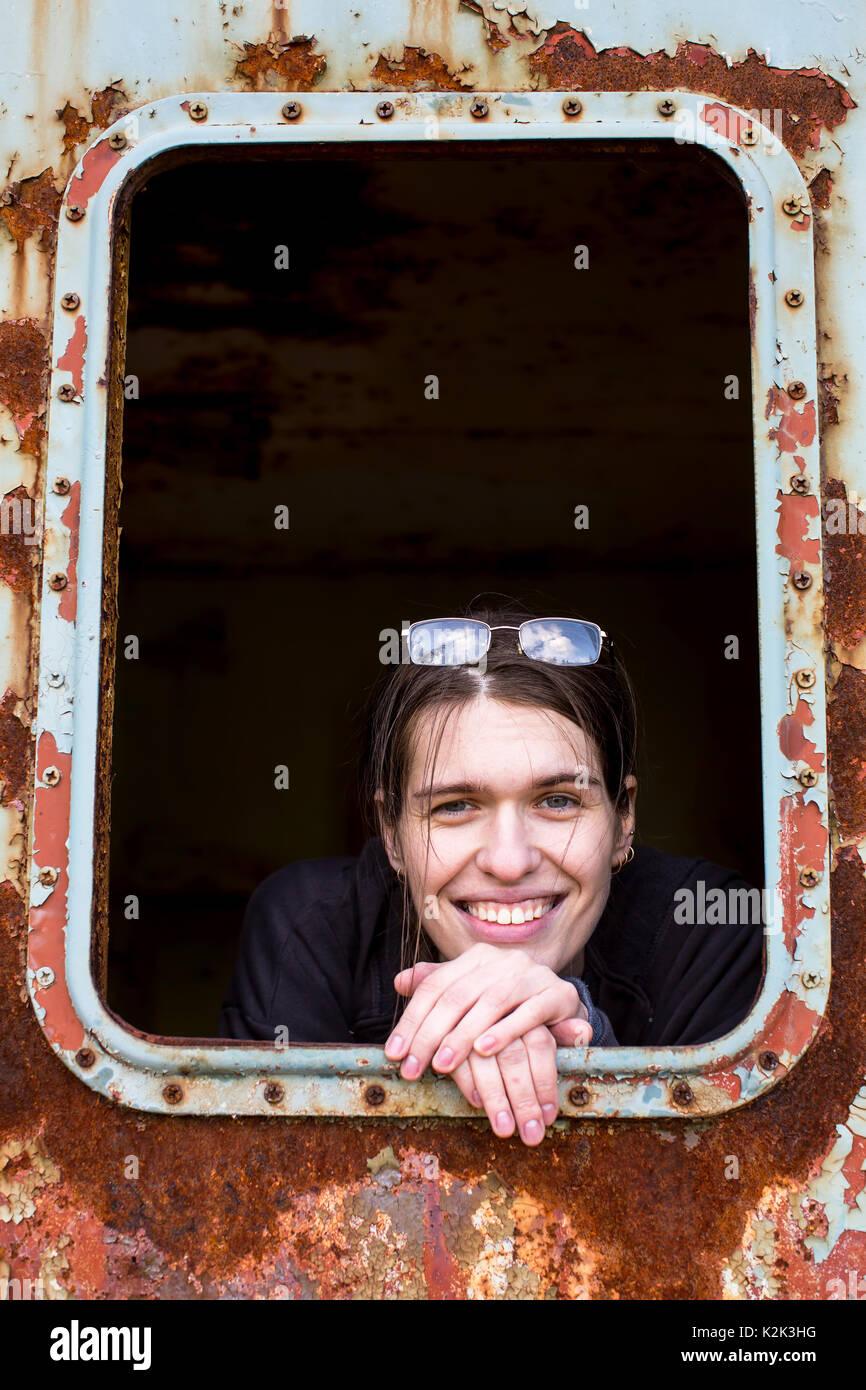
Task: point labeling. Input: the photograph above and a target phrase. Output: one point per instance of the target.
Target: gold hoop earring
(628, 858)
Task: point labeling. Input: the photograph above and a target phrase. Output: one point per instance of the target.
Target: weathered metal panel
(424, 1207)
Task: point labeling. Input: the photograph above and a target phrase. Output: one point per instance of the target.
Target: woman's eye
(566, 803)
(451, 808)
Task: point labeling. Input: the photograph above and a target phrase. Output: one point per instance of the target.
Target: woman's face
(523, 835)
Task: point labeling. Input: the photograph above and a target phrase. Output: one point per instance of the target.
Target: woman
(500, 770)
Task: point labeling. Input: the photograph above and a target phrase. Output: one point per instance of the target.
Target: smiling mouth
(510, 914)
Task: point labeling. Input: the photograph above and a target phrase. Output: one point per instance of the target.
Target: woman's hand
(492, 1019)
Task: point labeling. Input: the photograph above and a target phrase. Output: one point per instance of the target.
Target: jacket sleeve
(292, 971)
(602, 1031)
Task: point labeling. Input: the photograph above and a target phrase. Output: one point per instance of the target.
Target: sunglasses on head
(465, 641)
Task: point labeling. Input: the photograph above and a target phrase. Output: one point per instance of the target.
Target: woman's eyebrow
(581, 777)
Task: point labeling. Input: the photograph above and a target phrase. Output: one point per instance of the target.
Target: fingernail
(549, 1113)
(411, 1067)
(489, 1040)
(476, 1099)
(503, 1120)
(444, 1057)
(532, 1131)
(394, 1043)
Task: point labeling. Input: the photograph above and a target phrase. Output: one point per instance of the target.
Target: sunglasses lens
(563, 641)
(446, 642)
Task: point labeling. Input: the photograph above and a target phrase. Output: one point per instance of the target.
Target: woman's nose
(507, 852)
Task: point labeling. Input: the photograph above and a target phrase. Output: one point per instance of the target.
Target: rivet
(70, 301)
(85, 1057)
(67, 392)
(51, 776)
(796, 390)
(117, 141)
(291, 110)
(58, 582)
(768, 1061)
(801, 580)
(800, 483)
(809, 877)
(44, 977)
(374, 1095)
(197, 111)
(811, 978)
(47, 877)
(682, 1093)
(62, 486)
(385, 110)
(571, 106)
(274, 1093)
(749, 136)
(55, 678)
(807, 777)
(805, 679)
(579, 1095)
(794, 298)
(793, 207)
(666, 107)
(172, 1094)
(478, 109)
(74, 212)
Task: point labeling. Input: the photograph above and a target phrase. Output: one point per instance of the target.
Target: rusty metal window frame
(196, 1076)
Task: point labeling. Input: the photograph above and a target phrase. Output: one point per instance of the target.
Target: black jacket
(320, 947)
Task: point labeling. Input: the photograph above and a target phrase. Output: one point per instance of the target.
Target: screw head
(274, 1093)
(809, 877)
(55, 679)
(807, 777)
(58, 582)
(74, 212)
(70, 301)
(385, 110)
(85, 1057)
(51, 776)
(579, 1095)
(794, 298)
(801, 580)
(811, 978)
(479, 108)
(44, 977)
(291, 110)
(805, 679)
(197, 111)
(800, 483)
(796, 390)
(374, 1095)
(768, 1061)
(66, 392)
(117, 141)
(682, 1093)
(749, 136)
(793, 207)
(172, 1094)
(571, 106)
(666, 107)
(48, 877)
(62, 486)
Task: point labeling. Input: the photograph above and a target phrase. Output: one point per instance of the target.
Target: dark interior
(304, 387)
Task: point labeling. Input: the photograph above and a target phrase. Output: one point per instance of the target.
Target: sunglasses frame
(510, 627)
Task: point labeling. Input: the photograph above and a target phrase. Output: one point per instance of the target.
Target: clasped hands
(492, 1021)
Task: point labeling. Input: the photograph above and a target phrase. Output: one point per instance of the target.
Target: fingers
(540, 1047)
(465, 1081)
(516, 1071)
(550, 1006)
(572, 1032)
(442, 1000)
(407, 981)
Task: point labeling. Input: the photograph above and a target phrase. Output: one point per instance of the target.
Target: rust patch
(15, 751)
(31, 206)
(828, 400)
(418, 71)
(102, 107)
(846, 718)
(284, 67)
(23, 369)
(844, 573)
(18, 559)
(821, 188)
(801, 101)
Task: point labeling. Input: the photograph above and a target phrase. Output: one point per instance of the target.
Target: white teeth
(515, 915)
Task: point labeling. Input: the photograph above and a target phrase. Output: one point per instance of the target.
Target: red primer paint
(790, 1025)
(796, 426)
(803, 843)
(68, 606)
(724, 121)
(47, 938)
(439, 1269)
(794, 512)
(793, 741)
(95, 166)
(73, 358)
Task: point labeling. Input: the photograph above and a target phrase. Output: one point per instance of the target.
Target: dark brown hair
(599, 699)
